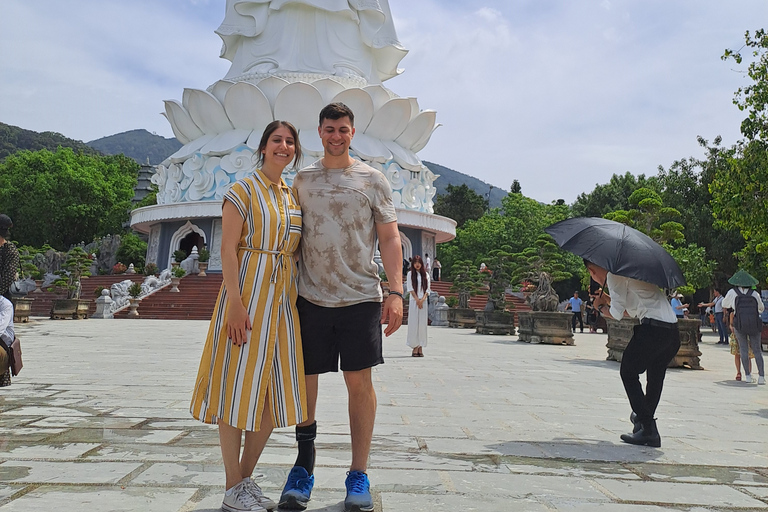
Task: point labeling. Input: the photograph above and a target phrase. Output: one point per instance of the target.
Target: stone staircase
(477, 302)
(195, 300)
(43, 301)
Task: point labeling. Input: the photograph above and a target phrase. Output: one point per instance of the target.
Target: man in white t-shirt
(746, 324)
(653, 345)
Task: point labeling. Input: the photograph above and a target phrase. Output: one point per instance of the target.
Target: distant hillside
(139, 145)
(13, 139)
(451, 177)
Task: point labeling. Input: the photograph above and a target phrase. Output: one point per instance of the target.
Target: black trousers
(577, 316)
(650, 350)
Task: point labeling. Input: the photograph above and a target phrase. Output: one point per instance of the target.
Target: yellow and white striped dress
(233, 381)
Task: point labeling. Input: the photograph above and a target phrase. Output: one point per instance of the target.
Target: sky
(557, 94)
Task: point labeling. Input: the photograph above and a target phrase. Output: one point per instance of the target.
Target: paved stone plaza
(98, 421)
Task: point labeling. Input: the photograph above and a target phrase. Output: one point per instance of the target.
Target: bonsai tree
(150, 269)
(179, 256)
(542, 264)
(134, 290)
(203, 255)
(466, 281)
(76, 266)
(501, 266)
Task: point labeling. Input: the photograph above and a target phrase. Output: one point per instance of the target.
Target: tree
(466, 281)
(612, 196)
(63, 198)
(543, 256)
(753, 98)
(516, 188)
(461, 204)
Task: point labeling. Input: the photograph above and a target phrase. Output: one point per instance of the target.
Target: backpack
(746, 317)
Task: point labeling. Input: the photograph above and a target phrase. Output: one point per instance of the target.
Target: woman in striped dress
(251, 374)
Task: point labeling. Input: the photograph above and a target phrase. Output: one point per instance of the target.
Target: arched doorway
(191, 240)
(186, 237)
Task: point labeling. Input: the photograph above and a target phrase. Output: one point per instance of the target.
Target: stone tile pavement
(98, 421)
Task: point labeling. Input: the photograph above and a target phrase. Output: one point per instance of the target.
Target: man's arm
(392, 258)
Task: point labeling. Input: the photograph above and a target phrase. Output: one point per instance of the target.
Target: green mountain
(13, 139)
(456, 178)
(140, 145)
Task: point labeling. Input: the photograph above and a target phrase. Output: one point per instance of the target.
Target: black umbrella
(620, 249)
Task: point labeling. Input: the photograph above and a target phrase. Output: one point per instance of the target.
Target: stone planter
(495, 322)
(175, 284)
(133, 306)
(64, 309)
(462, 318)
(620, 332)
(551, 327)
(22, 308)
(175, 264)
(38, 286)
(202, 266)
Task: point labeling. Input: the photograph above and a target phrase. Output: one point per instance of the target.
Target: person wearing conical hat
(746, 305)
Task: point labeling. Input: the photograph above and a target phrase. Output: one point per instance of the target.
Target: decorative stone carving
(153, 247)
(190, 263)
(549, 327)
(544, 298)
(440, 317)
(214, 263)
(104, 306)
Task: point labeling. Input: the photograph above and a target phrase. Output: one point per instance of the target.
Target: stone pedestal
(104, 306)
(620, 332)
(495, 322)
(22, 308)
(461, 318)
(64, 309)
(441, 313)
(545, 327)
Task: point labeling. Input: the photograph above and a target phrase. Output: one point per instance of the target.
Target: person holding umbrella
(746, 323)
(635, 269)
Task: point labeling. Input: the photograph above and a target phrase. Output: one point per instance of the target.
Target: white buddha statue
(346, 38)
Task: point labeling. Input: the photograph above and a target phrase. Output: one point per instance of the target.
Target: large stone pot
(64, 309)
(620, 332)
(551, 327)
(22, 308)
(495, 322)
(462, 318)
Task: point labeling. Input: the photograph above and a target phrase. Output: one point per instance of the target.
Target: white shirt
(6, 320)
(719, 304)
(639, 299)
(730, 298)
(428, 264)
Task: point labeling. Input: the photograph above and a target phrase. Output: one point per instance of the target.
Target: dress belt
(658, 323)
(278, 263)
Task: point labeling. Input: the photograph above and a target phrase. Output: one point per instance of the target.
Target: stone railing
(117, 297)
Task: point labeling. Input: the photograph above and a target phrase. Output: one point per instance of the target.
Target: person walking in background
(9, 258)
(347, 207)
(574, 303)
(417, 283)
(717, 307)
(734, 344)
(746, 323)
(251, 375)
(427, 263)
(654, 343)
(436, 269)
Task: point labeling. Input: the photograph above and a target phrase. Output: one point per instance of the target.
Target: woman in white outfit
(417, 282)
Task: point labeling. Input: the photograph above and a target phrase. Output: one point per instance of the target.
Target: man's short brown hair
(336, 111)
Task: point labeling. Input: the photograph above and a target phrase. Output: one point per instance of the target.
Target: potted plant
(176, 274)
(202, 261)
(76, 267)
(178, 257)
(151, 269)
(466, 282)
(495, 319)
(119, 268)
(542, 264)
(134, 291)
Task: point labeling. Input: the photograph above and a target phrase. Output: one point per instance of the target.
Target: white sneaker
(240, 500)
(761, 380)
(256, 492)
(748, 379)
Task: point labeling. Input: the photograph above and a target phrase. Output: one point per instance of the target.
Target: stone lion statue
(544, 297)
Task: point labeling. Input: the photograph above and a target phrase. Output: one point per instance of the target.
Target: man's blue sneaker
(297, 490)
(358, 492)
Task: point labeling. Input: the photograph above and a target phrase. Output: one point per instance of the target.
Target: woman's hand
(238, 324)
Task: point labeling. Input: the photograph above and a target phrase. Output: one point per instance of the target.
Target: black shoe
(636, 425)
(648, 435)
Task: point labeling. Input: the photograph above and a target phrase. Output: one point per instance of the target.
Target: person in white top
(717, 304)
(417, 283)
(653, 345)
(8, 335)
(427, 263)
(746, 324)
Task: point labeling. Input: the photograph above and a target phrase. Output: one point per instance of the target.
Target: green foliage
(499, 262)
(132, 250)
(461, 204)
(452, 301)
(149, 200)
(467, 280)
(178, 272)
(516, 188)
(151, 269)
(697, 269)
(14, 139)
(64, 198)
(753, 98)
(179, 255)
(612, 196)
(134, 290)
(650, 216)
(97, 291)
(203, 255)
(76, 266)
(543, 256)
